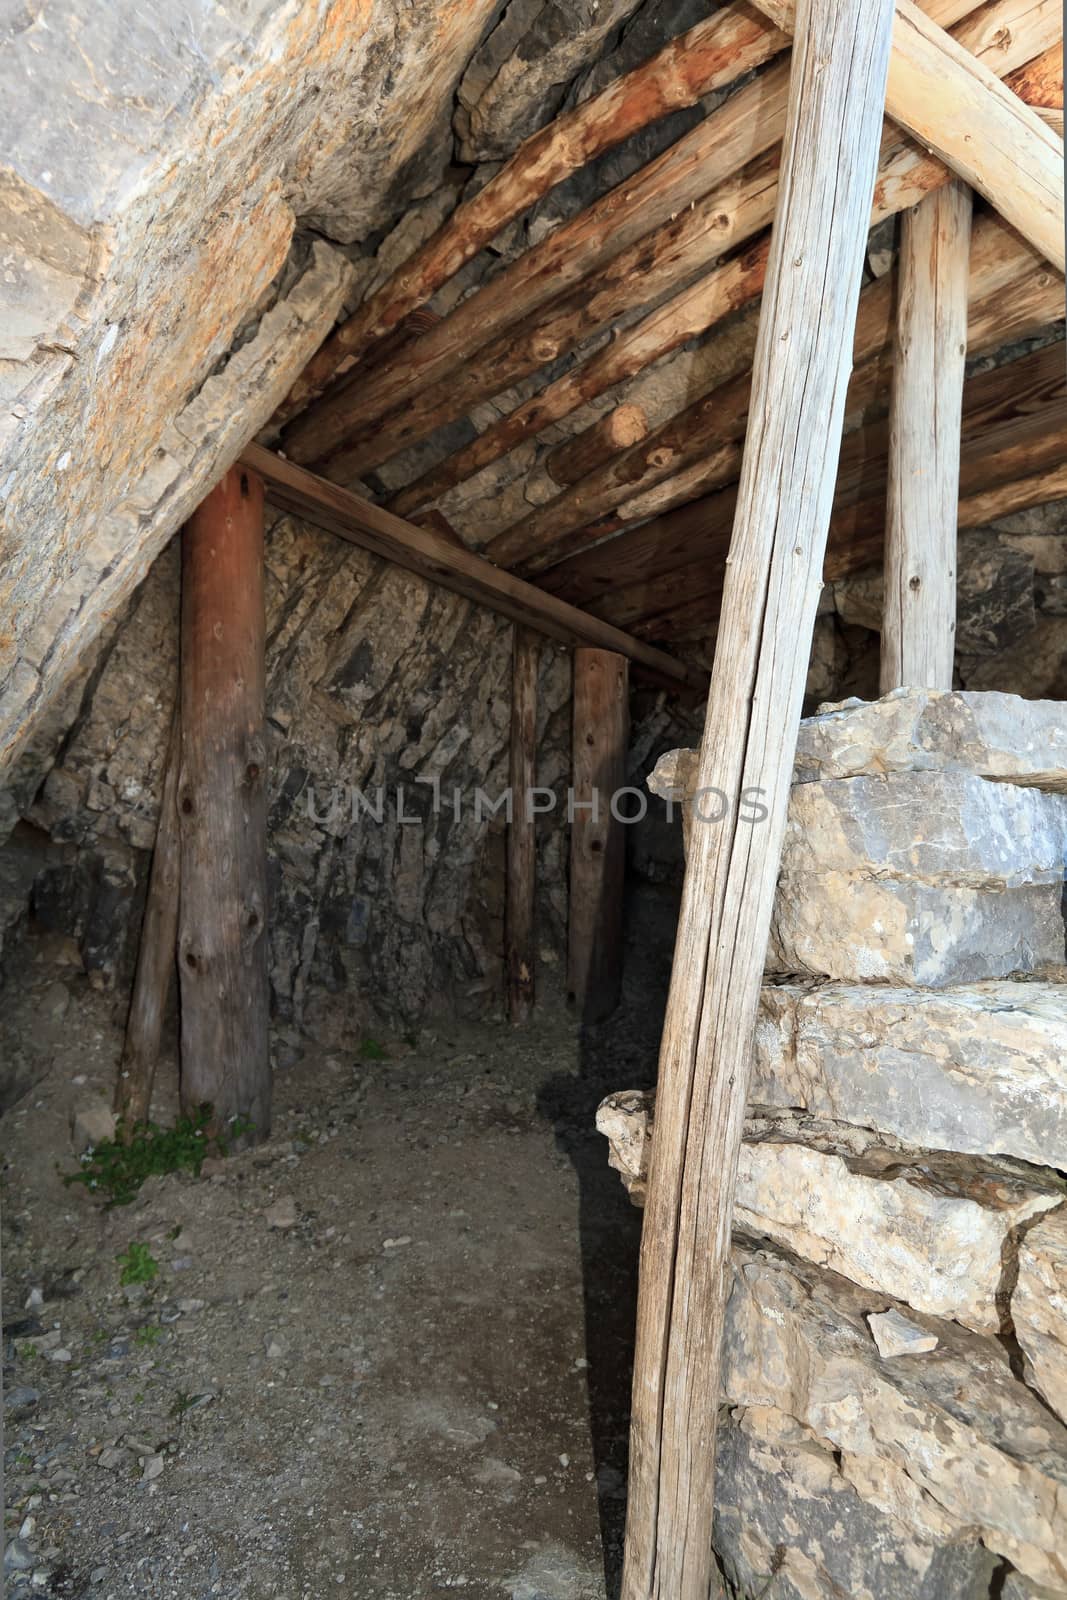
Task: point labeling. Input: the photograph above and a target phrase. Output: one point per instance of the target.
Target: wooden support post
(803, 355)
(522, 844)
(925, 424)
(155, 957)
(222, 810)
(598, 849)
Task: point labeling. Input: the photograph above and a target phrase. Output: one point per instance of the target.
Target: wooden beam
(717, 418)
(955, 104)
(800, 377)
(520, 905)
(601, 708)
(156, 955)
(581, 454)
(360, 425)
(925, 422)
(425, 552)
(222, 813)
(711, 55)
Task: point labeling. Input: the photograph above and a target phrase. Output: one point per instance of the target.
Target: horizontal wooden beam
(431, 556)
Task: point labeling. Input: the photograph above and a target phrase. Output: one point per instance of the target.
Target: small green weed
(118, 1167)
(148, 1336)
(371, 1050)
(29, 1352)
(138, 1264)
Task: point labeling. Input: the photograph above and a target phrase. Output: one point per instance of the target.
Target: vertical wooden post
(600, 734)
(522, 845)
(222, 942)
(919, 613)
(800, 372)
(156, 954)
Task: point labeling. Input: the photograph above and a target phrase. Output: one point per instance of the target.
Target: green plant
(371, 1050)
(29, 1352)
(138, 1264)
(148, 1336)
(118, 1167)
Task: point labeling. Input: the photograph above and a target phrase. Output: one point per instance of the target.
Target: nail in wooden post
(222, 938)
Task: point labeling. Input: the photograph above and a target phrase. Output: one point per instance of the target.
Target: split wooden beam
(925, 431)
(156, 954)
(222, 814)
(803, 356)
(427, 553)
(616, 430)
(521, 886)
(711, 55)
(600, 738)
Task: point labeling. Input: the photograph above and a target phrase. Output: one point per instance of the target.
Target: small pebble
(395, 1244)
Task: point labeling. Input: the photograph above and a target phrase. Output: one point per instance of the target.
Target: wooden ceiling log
(655, 265)
(421, 550)
(748, 124)
(906, 175)
(574, 458)
(710, 56)
(1040, 82)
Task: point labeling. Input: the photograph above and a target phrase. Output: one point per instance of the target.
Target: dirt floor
(385, 1354)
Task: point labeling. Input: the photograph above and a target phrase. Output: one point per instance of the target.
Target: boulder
(953, 1447)
(934, 878)
(1039, 1308)
(976, 1070)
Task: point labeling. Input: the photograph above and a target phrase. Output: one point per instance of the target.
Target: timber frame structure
(726, 515)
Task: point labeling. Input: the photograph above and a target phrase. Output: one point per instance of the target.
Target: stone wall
(895, 1379)
(376, 681)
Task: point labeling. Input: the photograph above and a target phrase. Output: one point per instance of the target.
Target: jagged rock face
(376, 681)
(159, 162)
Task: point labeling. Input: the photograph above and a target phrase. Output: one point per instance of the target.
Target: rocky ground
(384, 1354)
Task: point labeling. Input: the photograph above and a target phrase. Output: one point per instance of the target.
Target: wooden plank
(925, 423)
(421, 550)
(801, 370)
(156, 955)
(712, 420)
(575, 457)
(601, 726)
(520, 905)
(955, 104)
(711, 55)
(222, 813)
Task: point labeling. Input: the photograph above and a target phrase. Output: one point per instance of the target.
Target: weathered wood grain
(801, 370)
(521, 870)
(601, 726)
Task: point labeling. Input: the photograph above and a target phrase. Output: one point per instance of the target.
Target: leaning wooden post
(222, 943)
(601, 729)
(801, 367)
(925, 421)
(522, 844)
(156, 954)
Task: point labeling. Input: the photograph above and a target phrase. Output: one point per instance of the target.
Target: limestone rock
(516, 80)
(975, 1070)
(790, 1524)
(895, 1335)
(92, 1126)
(992, 735)
(1039, 1308)
(931, 1231)
(925, 877)
(952, 1446)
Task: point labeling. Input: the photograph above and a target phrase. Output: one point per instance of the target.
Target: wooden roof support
(709, 56)
(801, 370)
(436, 558)
(925, 420)
(520, 905)
(616, 430)
(737, 210)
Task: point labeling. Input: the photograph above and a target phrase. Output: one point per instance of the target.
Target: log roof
(452, 411)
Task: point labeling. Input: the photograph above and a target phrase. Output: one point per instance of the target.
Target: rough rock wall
(157, 161)
(375, 681)
(895, 1369)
